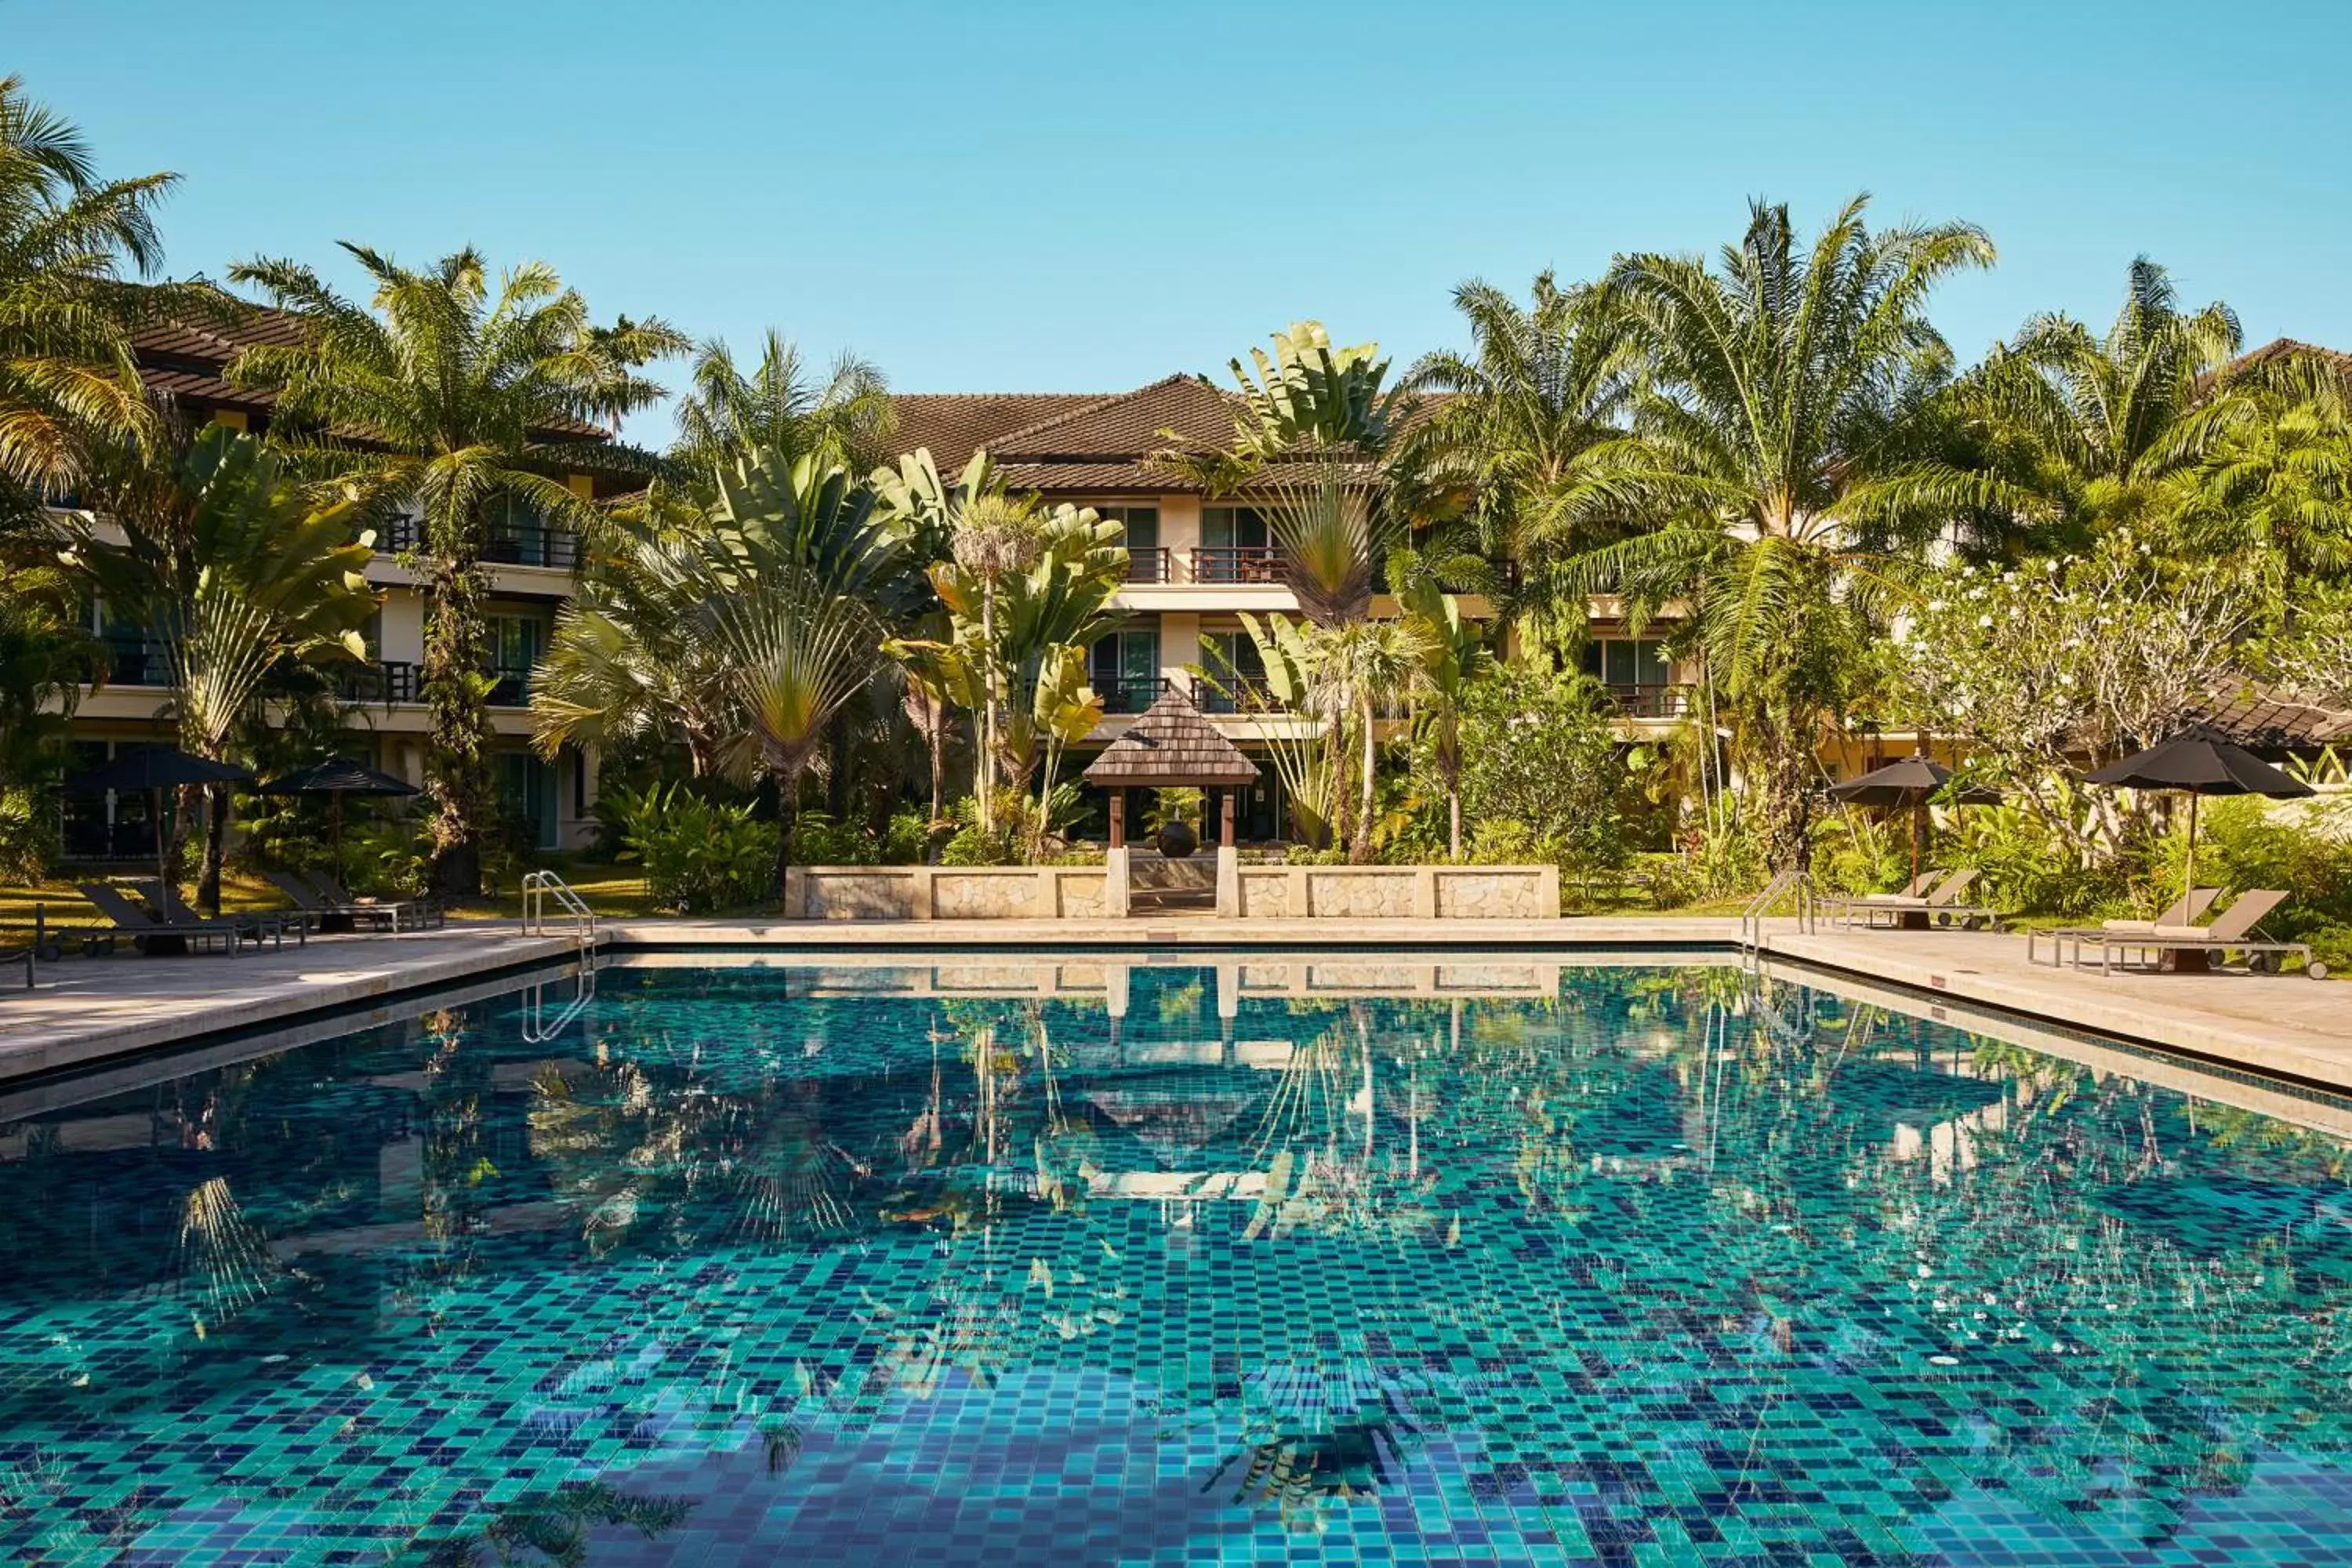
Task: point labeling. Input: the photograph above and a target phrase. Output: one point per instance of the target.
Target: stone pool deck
(86, 1010)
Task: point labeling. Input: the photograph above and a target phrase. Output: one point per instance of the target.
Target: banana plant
(1064, 711)
(1305, 753)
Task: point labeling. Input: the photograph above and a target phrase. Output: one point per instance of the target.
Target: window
(1124, 669)
(1628, 661)
(1141, 522)
(516, 642)
(1232, 528)
(527, 790)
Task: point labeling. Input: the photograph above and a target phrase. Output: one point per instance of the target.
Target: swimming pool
(1309, 1258)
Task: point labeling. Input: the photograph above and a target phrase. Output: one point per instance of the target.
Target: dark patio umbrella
(2199, 761)
(1913, 783)
(335, 778)
(155, 769)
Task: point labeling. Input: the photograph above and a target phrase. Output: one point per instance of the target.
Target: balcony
(509, 545)
(1150, 564)
(1129, 696)
(512, 689)
(1231, 695)
(1237, 563)
(382, 680)
(1650, 702)
(136, 661)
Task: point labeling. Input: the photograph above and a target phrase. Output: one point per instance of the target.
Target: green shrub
(29, 836)
(699, 857)
(2240, 844)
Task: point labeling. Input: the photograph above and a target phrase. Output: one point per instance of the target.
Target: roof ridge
(1068, 415)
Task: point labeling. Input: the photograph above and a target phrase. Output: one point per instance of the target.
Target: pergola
(1171, 746)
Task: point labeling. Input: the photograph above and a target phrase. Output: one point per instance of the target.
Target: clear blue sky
(997, 196)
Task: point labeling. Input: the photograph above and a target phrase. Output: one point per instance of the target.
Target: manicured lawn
(610, 890)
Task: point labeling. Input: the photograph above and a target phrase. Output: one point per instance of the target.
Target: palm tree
(1511, 434)
(236, 570)
(1788, 446)
(1360, 666)
(778, 408)
(994, 538)
(439, 395)
(2101, 422)
(69, 386)
(1455, 657)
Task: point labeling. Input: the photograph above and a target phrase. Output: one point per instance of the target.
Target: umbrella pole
(2189, 880)
(170, 894)
(1918, 822)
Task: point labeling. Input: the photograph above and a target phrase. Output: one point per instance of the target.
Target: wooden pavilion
(1171, 745)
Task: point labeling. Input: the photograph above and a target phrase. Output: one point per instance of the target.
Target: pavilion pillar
(1118, 816)
(1115, 906)
(1229, 861)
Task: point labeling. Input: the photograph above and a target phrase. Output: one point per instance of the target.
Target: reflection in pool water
(1245, 1261)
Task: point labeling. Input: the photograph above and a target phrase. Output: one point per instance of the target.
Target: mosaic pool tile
(750, 1267)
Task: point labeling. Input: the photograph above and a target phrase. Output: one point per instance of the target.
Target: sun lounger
(2190, 949)
(255, 926)
(319, 893)
(1916, 888)
(2185, 910)
(1939, 906)
(150, 933)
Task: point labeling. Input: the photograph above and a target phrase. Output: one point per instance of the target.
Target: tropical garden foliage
(1770, 458)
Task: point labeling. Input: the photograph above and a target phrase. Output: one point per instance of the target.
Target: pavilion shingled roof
(1171, 745)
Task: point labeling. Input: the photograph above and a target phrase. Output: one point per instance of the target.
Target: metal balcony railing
(513, 688)
(509, 545)
(137, 661)
(1651, 701)
(1244, 695)
(382, 680)
(1129, 696)
(1237, 563)
(1150, 564)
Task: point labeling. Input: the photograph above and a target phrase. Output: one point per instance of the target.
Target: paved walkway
(86, 1010)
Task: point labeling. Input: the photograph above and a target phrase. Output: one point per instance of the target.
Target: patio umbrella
(155, 769)
(335, 778)
(1913, 782)
(2200, 762)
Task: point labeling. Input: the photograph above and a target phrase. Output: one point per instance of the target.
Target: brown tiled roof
(2275, 719)
(955, 425)
(186, 361)
(1171, 745)
(1065, 478)
(1128, 425)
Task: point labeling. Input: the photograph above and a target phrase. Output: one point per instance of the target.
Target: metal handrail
(1759, 908)
(538, 887)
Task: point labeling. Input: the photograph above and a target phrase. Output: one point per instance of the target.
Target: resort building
(1199, 564)
(531, 574)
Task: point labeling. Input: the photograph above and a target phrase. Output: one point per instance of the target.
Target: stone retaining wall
(1081, 892)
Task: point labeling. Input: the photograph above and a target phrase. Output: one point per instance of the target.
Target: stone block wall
(1084, 893)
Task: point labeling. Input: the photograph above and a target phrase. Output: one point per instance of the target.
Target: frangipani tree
(235, 569)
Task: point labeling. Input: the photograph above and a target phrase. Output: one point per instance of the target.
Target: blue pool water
(1171, 1265)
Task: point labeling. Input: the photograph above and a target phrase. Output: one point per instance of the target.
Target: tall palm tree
(236, 570)
(1359, 667)
(1513, 428)
(1788, 446)
(70, 245)
(1455, 657)
(441, 395)
(780, 408)
(2102, 421)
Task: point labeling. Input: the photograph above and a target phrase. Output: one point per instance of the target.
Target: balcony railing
(1237, 563)
(382, 680)
(509, 545)
(1129, 696)
(1235, 695)
(137, 661)
(513, 688)
(1651, 701)
(1150, 564)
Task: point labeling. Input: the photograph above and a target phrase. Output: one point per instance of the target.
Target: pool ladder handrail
(538, 887)
(1789, 886)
